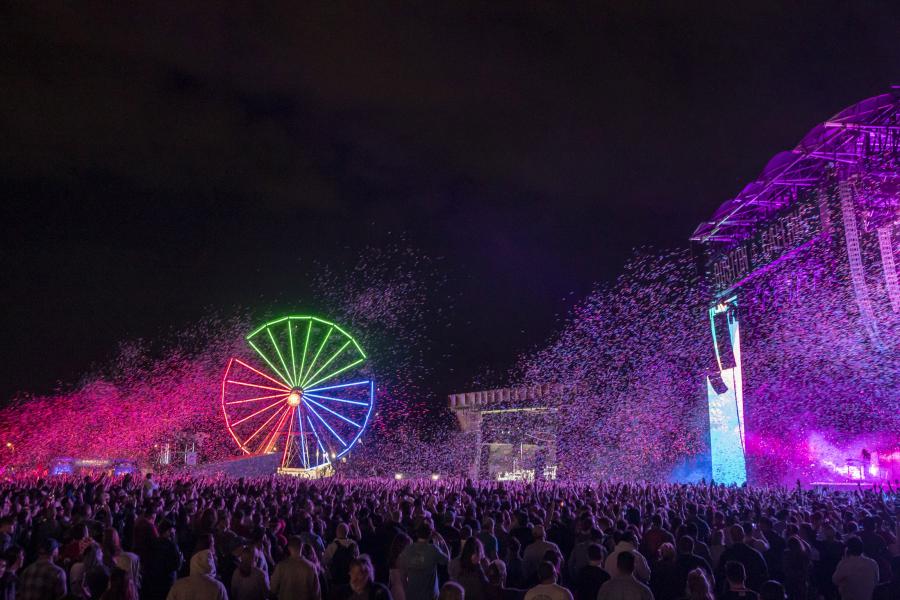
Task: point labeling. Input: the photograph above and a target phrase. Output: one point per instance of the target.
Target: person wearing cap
(536, 550)
(43, 580)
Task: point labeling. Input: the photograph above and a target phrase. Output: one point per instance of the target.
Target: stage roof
(846, 138)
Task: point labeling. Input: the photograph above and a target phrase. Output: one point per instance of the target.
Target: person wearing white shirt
(856, 575)
(534, 553)
(627, 544)
(548, 589)
(624, 585)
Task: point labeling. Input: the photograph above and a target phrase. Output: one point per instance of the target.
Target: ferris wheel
(307, 397)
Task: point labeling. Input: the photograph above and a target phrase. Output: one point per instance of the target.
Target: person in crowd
(625, 542)
(578, 558)
(249, 582)
(71, 552)
(150, 486)
(592, 575)
(487, 537)
(716, 546)
(396, 575)
(496, 589)
(772, 590)
(688, 560)
(515, 565)
(90, 576)
(43, 579)
(8, 532)
(698, 586)
(201, 583)
(420, 561)
(451, 591)
(889, 590)
(856, 575)
(362, 584)
(655, 537)
(548, 588)
(309, 553)
(15, 560)
(797, 568)
(471, 570)
(8, 581)
(535, 551)
(624, 585)
(339, 554)
(121, 587)
(777, 546)
(668, 578)
(114, 556)
(295, 576)
(736, 583)
(465, 532)
(144, 531)
(309, 536)
(164, 560)
(754, 564)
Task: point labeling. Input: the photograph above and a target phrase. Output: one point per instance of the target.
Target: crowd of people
(184, 538)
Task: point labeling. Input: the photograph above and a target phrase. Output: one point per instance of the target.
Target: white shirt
(254, 586)
(856, 577)
(641, 568)
(624, 587)
(548, 591)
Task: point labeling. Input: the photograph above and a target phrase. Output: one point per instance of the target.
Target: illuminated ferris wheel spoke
(328, 362)
(334, 387)
(305, 346)
(290, 328)
(284, 390)
(269, 445)
(289, 440)
(318, 352)
(263, 426)
(327, 426)
(257, 399)
(280, 356)
(339, 416)
(308, 395)
(318, 439)
(269, 362)
(336, 373)
(304, 456)
(260, 411)
(261, 374)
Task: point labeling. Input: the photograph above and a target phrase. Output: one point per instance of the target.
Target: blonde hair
(452, 591)
(698, 587)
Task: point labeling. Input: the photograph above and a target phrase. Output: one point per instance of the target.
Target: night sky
(163, 162)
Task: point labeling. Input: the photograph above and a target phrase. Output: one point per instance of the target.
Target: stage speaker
(723, 339)
(718, 384)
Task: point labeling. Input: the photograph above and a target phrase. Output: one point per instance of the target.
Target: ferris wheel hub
(295, 397)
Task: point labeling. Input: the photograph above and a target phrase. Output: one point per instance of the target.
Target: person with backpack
(339, 554)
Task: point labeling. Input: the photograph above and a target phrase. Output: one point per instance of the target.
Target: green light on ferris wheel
(322, 400)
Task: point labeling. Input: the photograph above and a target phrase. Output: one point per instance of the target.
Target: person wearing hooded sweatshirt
(201, 584)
